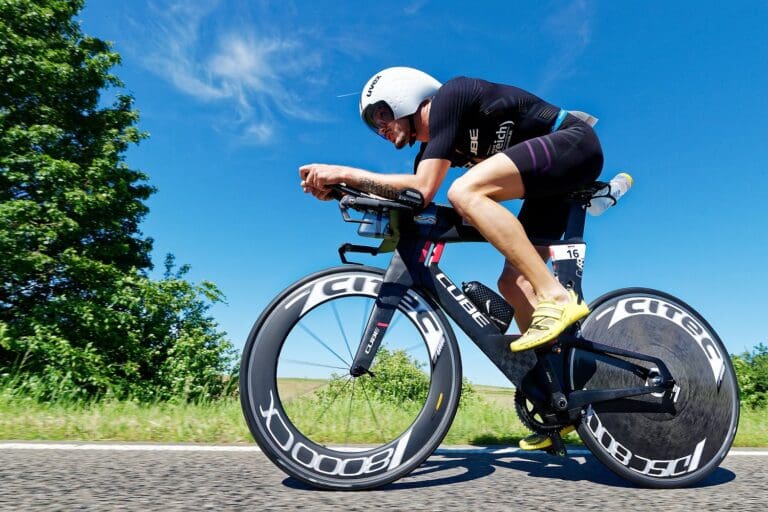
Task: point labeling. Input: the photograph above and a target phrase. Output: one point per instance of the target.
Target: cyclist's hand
(322, 194)
(319, 176)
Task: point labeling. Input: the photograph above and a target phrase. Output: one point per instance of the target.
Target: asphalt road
(129, 479)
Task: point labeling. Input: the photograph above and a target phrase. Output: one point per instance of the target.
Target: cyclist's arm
(429, 176)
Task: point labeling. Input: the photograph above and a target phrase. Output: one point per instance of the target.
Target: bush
(397, 379)
(137, 338)
(752, 375)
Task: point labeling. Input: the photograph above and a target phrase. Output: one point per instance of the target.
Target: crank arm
(599, 348)
(579, 399)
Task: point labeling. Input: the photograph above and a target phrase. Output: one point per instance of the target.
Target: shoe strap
(548, 310)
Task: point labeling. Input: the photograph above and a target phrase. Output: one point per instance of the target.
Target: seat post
(576, 219)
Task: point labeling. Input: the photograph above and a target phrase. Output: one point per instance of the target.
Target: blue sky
(237, 94)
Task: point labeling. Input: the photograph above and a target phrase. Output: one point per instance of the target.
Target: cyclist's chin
(400, 142)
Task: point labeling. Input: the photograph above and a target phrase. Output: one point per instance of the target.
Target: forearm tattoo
(385, 191)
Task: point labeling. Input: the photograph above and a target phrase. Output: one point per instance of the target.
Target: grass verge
(491, 420)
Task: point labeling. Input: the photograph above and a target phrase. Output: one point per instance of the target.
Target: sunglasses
(377, 116)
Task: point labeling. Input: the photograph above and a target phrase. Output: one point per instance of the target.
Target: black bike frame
(421, 239)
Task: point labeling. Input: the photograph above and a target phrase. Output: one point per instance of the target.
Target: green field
(489, 419)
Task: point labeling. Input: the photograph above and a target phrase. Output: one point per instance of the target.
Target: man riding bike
(517, 146)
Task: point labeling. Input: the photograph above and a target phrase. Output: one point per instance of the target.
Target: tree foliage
(752, 375)
(78, 314)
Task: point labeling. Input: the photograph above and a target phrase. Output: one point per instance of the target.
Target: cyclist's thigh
(545, 217)
(558, 162)
(496, 177)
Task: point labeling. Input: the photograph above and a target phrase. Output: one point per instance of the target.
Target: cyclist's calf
(518, 291)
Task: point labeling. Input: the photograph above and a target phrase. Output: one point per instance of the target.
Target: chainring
(530, 416)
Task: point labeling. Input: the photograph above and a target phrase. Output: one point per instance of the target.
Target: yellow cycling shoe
(549, 321)
(542, 441)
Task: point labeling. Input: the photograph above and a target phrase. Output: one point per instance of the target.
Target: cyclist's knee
(461, 194)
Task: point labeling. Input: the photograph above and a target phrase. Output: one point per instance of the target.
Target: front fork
(397, 281)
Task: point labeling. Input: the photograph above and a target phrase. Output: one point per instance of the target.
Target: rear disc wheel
(662, 440)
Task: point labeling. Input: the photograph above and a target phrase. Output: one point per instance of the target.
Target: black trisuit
(471, 119)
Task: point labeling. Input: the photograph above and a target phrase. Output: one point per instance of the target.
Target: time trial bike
(351, 377)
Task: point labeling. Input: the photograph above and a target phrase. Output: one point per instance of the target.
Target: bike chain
(527, 412)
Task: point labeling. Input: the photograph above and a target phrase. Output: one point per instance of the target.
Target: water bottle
(608, 195)
(490, 303)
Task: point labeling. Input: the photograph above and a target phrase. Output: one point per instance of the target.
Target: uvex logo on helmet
(370, 88)
(401, 89)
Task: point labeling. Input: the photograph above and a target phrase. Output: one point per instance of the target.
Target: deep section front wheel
(321, 425)
(663, 440)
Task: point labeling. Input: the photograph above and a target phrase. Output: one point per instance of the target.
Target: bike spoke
(341, 328)
(370, 407)
(307, 363)
(414, 347)
(332, 401)
(395, 321)
(386, 342)
(304, 393)
(317, 338)
(367, 314)
(349, 413)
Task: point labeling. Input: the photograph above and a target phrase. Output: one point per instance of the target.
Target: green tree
(78, 314)
(752, 374)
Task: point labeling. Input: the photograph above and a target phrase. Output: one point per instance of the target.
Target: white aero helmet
(400, 89)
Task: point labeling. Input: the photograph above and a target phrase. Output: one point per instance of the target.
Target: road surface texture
(132, 479)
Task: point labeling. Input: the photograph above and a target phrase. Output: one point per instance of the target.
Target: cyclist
(517, 146)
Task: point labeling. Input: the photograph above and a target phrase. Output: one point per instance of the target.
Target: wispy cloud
(414, 7)
(251, 75)
(571, 27)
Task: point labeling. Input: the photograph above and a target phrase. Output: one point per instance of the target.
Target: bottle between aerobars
(610, 194)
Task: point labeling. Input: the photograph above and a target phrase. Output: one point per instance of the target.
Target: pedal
(558, 447)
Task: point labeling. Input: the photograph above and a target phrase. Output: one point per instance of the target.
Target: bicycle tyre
(320, 462)
(664, 440)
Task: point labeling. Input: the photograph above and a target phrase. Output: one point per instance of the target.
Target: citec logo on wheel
(634, 306)
(411, 304)
(344, 466)
(639, 464)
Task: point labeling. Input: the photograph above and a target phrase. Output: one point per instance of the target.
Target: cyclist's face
(398, 132)
(381, 119)
(380, 116)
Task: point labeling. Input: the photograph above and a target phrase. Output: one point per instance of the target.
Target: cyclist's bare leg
(476, 196)
(516, 290)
